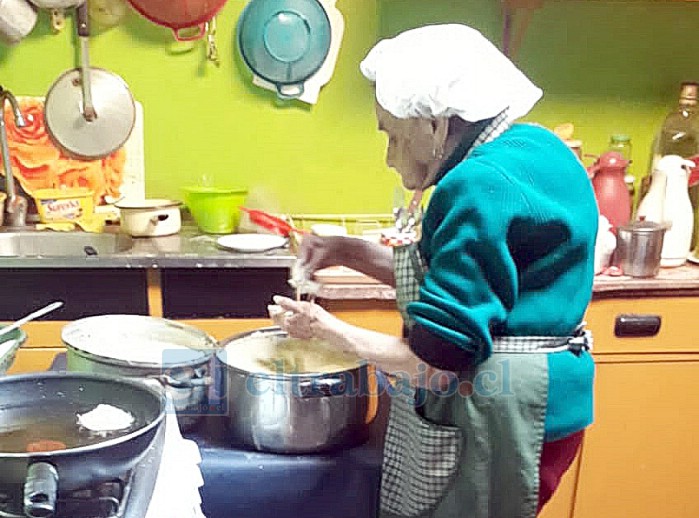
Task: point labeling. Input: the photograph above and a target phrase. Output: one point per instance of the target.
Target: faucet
(16, 205)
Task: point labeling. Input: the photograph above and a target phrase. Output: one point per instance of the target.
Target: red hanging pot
(180, 14)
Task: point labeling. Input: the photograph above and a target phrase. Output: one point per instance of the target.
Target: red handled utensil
(273, 223)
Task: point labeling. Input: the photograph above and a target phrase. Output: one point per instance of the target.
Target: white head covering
(444, 70)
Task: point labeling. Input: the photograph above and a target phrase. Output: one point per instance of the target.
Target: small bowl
(215, 210)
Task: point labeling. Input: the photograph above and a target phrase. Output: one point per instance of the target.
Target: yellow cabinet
(34, 359)
(640, 459)
(563, 500)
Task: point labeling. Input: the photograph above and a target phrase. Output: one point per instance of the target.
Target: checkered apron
(422, 459)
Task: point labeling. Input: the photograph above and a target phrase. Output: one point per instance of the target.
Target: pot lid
(284, 41)
(147, 204)
(139, 340)
(116, 113)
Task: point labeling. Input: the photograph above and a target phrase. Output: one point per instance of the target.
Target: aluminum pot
(17, 20)
(150, 218)
(28, 402)
(149, 348)
(294, 413)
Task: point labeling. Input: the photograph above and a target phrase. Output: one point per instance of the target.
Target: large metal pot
(135, 346)
(294, 413)
(26, 401)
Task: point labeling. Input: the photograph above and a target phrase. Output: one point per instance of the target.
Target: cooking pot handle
(184, 383)
(160, 217)
(196, 36)
(40, 490)
(321, 387)
(290, 91)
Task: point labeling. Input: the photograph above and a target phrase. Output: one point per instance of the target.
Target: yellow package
(64, 204)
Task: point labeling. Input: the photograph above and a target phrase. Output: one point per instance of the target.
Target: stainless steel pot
(295, 413)
(639, 248)
(92, 346)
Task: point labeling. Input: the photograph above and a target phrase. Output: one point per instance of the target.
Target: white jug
(667, 201)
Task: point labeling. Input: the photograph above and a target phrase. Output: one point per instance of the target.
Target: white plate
(693, 258)
(251, 242)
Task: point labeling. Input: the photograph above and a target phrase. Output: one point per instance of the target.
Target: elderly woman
(493, 284)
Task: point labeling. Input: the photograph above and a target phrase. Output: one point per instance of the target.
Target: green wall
(607, 67)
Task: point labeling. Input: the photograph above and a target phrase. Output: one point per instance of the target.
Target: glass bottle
(621, 143)
(679, 135)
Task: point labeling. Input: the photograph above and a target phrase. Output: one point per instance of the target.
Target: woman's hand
(301, 319)
(372, 259)
(316, 252)
(305, 321)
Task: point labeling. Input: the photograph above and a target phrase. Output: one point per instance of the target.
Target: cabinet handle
(632, 325)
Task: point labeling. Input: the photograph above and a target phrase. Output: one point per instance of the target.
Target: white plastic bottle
(677, 210)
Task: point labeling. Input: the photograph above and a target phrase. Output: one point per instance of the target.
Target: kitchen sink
(62, 244)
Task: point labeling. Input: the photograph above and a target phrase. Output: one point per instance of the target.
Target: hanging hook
(211, 49)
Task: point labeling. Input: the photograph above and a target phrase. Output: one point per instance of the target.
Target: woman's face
(411, 148)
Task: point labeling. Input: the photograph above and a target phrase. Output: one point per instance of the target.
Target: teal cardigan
(508, 241)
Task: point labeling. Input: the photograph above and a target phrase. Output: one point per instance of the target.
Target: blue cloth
(508, 240)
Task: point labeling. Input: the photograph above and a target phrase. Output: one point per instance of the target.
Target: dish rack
(356, 224)
(367, 226)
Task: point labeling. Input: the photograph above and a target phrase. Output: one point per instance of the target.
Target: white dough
(105, 418)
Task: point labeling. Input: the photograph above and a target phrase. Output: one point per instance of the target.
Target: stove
(249, 484)
(126, 496)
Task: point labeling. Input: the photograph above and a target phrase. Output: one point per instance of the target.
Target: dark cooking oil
(18, 436)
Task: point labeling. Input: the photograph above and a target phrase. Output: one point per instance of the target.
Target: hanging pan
(180, 15)
(284, 42)
(89, 112)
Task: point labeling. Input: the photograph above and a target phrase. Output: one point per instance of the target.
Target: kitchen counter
(190, 249)
(683, 280)
(187, 249)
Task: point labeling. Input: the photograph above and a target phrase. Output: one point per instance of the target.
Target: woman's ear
(440, 131)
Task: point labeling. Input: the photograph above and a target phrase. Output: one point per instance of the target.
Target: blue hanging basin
(284, 42)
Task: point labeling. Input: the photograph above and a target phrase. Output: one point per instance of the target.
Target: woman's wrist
(327, 327)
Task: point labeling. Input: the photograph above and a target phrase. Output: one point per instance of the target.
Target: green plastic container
(215, 210)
